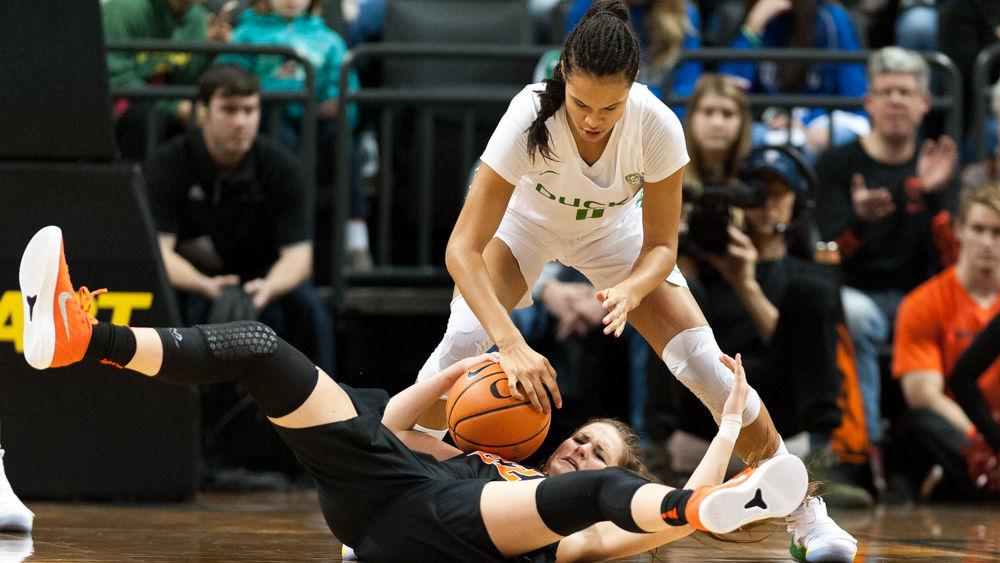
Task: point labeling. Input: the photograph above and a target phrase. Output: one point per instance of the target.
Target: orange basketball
(482, 415)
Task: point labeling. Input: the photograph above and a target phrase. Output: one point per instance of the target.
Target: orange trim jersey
(936, 322)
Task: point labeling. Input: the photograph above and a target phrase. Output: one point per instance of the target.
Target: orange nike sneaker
(773, 489)
(57, 323)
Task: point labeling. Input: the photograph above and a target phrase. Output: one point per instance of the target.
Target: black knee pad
(239, 340)
(573, 501)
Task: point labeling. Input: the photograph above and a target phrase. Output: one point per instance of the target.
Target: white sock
(357, 234)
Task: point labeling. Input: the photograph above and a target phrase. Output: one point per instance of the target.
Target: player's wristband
(730, 427)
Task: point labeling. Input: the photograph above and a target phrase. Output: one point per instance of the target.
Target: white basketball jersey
(565, 195)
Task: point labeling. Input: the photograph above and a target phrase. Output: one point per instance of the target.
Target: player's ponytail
(602, 44)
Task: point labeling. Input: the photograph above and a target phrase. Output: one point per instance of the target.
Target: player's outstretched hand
(533, 373)
(618, 302)
(737, 400)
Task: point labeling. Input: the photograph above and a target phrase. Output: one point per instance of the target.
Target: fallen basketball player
(378, 489)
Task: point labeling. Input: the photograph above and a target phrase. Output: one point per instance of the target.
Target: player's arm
(661, 213)
(604, 540)
(477, 223)
(403, 408)
(925, 389)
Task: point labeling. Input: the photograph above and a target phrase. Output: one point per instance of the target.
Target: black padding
(574, 501)
(239, 340)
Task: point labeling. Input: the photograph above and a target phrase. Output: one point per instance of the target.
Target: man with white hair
(881, 199)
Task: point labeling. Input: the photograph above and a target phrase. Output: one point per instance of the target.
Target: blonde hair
(723, 86)
(667, 22)
(985, 194)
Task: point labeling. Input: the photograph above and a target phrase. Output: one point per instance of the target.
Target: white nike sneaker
(347, 553)
(816, 537)
(14, 516)
(771, 490)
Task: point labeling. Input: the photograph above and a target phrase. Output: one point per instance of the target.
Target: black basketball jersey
(483, 465)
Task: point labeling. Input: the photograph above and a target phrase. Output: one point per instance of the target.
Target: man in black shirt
(882, 200)
(235, 221)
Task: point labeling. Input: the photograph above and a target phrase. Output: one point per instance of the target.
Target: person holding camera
(780, 309)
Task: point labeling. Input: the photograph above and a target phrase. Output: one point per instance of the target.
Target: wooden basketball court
(265, 527)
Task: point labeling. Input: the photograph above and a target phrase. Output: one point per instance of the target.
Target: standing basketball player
(561, 179)
(390, 500)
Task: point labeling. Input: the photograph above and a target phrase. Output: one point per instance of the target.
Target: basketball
(482, 415)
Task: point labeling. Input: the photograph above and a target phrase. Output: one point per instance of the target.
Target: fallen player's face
(594, 446)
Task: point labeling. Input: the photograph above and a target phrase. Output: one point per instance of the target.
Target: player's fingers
(539, 399)
(512, 385)
(553, 386)
(741, 374)
(621, 326)
(729, 362)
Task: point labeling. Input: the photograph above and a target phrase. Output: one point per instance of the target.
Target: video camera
(710, 216)
(711, 213)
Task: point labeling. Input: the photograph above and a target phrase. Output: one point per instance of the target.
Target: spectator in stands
(717, 131)
(364, 19)
(966, 28)
(663, 28)
(937, 322)
(881, 199)
(235, 222)
(294, 23)
(717, 134)
(917, 24)
(177, 20)
(987, 171)
(802, 24)
(779, 309)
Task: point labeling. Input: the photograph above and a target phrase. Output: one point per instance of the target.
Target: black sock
(673, 507)
(113, 343)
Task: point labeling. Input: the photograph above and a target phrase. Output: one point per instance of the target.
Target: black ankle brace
(672, 509)
(113, 343)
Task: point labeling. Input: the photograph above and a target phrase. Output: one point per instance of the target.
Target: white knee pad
(693, 358)
(464, 337)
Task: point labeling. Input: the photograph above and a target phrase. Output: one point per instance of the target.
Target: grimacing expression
(979, 236)
(715, 123)
(231, 123)
(594, 104)
(896, 105)
(594, 446)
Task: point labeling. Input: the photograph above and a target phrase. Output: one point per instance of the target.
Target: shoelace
(85, 298)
